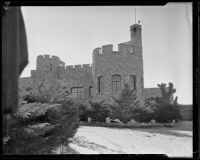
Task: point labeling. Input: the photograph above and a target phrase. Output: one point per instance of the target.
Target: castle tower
(111, 69)
(136, 42)
(136, 35)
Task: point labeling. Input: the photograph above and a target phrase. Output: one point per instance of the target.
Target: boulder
(132, 121)
(89, 119)
(108, 120)
(153, 121)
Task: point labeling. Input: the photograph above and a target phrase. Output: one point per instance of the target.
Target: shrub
(39, 128)
(167, 109)
(167, 112)
(143, 114)
(98, 111)
(125, 104)
(48, 120)
(46, 91)
(84, 112)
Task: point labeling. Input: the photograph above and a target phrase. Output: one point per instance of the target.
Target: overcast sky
(71, 33)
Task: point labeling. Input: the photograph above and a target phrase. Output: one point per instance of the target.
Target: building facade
(106, 75)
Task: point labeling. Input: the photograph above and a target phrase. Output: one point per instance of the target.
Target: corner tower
(136, 35)
(126, 64)
(136, 42)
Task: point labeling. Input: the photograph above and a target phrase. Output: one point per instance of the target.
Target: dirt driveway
(174, 142)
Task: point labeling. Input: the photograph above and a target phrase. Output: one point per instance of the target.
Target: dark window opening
(116, 83)
(100, 84)
(133, 81)
(90, 90)
(50, 67)
(134, 29)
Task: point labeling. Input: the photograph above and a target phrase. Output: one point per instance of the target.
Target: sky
(71, 33)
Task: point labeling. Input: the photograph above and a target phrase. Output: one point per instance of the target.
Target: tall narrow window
(78, 92)
(100, 84)
(90, 90)
(116, 83)
(50, 67)
(133, 81)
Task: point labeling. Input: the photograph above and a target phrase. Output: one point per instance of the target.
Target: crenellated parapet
(78, 67)
(123, 48)
(47, 63)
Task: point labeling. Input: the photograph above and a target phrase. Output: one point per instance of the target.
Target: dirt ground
(173, 141)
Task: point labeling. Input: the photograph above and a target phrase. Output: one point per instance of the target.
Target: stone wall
(47, 63)
(78, 76)
(109, 63)
(124, 62)
(128, 60)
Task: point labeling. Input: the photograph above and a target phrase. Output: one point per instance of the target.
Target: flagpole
(135, 15)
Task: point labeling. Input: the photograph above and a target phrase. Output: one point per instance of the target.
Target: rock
(108, 120)
(132, 121)
(89, 119)
(153, 121)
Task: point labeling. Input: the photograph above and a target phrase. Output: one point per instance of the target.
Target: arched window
(100, 84)
(116, 83)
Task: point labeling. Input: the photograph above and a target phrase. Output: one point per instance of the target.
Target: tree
(42, 125)
(167, 108)
(126, 103)
(47, 91)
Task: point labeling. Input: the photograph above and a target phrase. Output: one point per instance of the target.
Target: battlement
(106, 49)
(46, 56)
(83, 66)
(126, 47)
(48, 63)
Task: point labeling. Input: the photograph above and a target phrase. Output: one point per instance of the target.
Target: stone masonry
(97, 80)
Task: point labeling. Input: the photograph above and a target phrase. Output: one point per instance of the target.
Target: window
(134, 29)
(116, 83)
(78, 92)
(90, 90)
(50, 67)
(133, 81)
(100, 84)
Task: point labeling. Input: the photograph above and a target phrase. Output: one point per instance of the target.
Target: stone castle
(106, 75)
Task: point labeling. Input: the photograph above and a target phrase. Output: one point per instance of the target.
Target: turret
(136, 35)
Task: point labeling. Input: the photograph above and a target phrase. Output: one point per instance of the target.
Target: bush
(166, 108)
(39, 128)
(125, 104)
(46, 91)
(143, 114)
(48, 120)
(167, 113)
(98, 111)
(84, 112)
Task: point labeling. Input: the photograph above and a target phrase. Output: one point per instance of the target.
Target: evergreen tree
(40, 127)
(126, 103)
(99, 111)
(167, 108)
